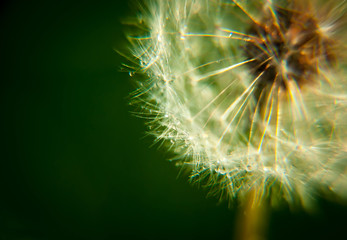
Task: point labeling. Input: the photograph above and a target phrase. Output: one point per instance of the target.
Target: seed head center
(288, 46)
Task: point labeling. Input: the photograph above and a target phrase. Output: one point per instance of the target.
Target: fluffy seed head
(249, 95)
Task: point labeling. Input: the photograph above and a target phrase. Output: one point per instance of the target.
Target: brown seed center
(287, 46)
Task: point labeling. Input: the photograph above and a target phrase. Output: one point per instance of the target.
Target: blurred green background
(74, 163)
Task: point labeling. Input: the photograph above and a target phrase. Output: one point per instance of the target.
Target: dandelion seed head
(247, 94)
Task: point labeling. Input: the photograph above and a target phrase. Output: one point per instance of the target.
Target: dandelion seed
(250, 95)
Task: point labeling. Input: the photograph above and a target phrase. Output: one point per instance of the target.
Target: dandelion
(249, 95)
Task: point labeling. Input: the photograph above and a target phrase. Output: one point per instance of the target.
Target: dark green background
(74, 163)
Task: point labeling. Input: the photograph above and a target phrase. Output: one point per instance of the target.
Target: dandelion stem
(253, 219)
